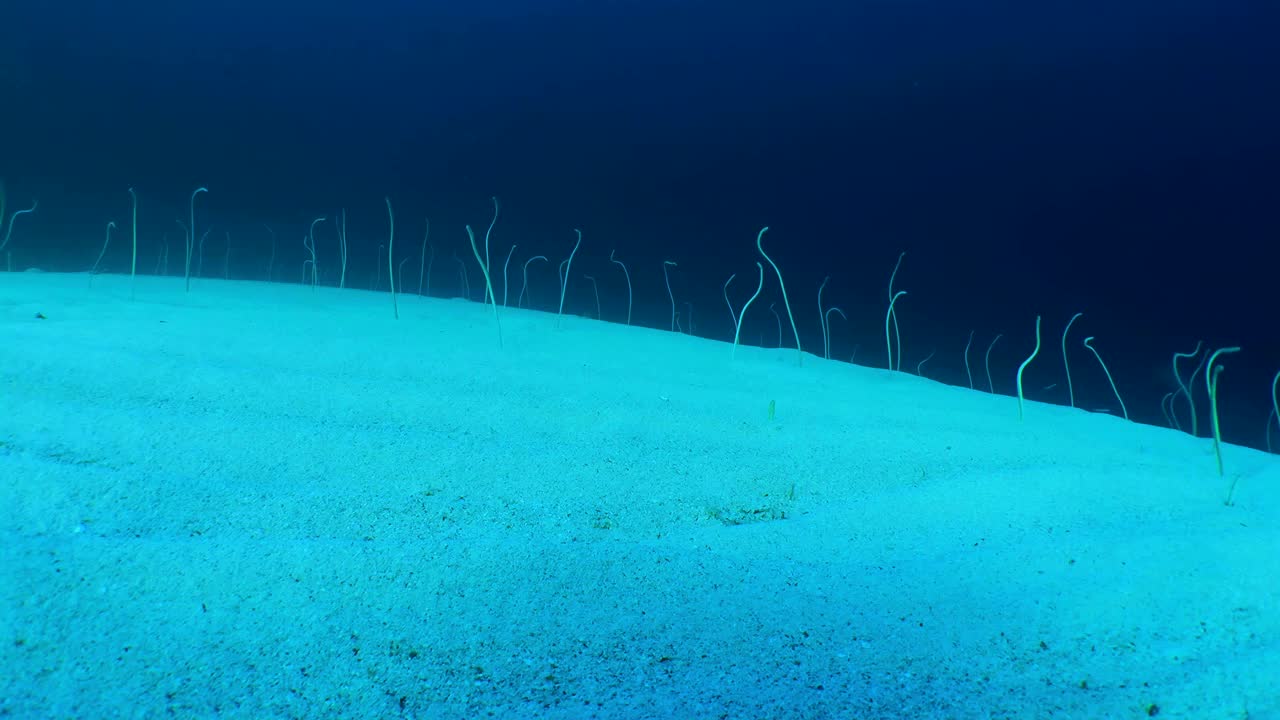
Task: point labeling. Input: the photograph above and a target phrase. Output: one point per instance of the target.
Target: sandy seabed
(264, 501)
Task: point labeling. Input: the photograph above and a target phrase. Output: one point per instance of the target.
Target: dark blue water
(1113, 158)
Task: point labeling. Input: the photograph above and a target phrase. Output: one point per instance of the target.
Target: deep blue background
(1115, 158)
